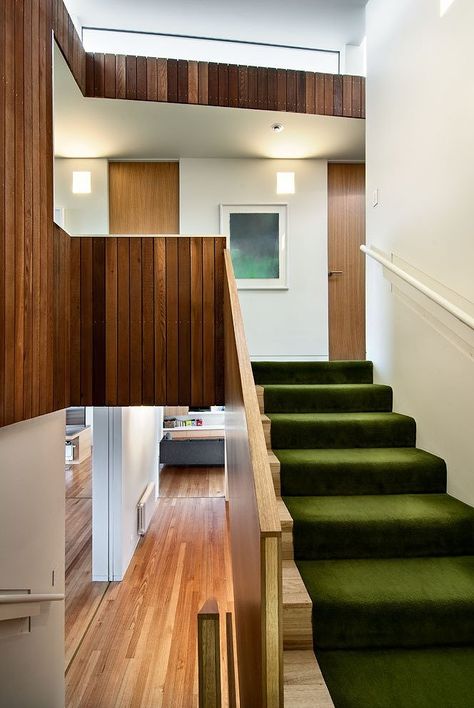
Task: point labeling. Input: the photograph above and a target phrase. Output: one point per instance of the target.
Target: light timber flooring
(140, 648)
(82, 595)
(178, 481)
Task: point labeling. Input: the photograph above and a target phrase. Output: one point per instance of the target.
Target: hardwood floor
(178, 481)
(82, 595)
(140, 649)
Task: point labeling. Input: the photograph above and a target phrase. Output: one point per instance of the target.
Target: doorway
(346, 265)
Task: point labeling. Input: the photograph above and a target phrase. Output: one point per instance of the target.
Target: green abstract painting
(254, 245)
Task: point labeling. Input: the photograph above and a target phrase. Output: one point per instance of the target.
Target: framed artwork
(257, 236)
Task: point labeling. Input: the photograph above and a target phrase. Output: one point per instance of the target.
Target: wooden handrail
(264, 491)
(255, 530)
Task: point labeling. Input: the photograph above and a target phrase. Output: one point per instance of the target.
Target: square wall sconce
(285, 182)
(81, 182)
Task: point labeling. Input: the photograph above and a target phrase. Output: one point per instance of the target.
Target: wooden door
(346, 265)
(143, 197)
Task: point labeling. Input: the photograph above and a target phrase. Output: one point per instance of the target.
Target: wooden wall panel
(151, 320)
(68, 40)
(229, 85)
(144, 197)
(35, 258)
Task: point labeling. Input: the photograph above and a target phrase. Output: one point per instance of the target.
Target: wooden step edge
(287, 547)
(260, 397)
(275, 466)
(267, 426)
(303, 682)
(297, 609)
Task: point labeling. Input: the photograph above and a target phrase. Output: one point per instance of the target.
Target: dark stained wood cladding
(62, 317)
(228, 85)
(27, 266)
(147, 320)
(69, 42)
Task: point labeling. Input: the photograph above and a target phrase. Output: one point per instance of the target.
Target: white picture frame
(276, 237)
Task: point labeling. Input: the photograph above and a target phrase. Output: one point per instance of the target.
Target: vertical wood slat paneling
(172, 288)
(136, 322)
(148, 338)
(196, 322)
(62, 317)
(3, 61)
(208, 354)
(111, 321)
(229, 85)
(68, 41)
(184, 319)
(29, 303)
(151, 320)
(160, 318)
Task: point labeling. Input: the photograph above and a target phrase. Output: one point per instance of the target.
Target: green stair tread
(396, 602)
(400, 678)
(301, 372)
(399, 470)
(328, 398)
(341, 430)
(380, 526)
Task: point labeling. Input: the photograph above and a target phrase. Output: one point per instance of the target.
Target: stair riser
(319, 372)
(322, 541)
(328, 481)
(421, 625)
(297, 628)
(308, 435)
(371, 400)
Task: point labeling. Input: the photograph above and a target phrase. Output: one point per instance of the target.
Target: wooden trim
(255, 529)
(209, 668)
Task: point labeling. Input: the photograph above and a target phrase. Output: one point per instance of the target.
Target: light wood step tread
(294, 590)
(304, 685)
(285, 516)
(274, 463)
(267, 425)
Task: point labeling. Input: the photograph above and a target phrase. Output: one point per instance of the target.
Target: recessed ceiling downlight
(277, 127)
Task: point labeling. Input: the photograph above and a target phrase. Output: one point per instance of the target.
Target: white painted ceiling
(325, 24)
(93, 127)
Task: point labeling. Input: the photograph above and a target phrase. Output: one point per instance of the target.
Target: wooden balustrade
(255, 531)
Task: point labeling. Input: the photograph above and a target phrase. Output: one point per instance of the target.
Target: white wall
(279, 324)
(133, 453)
(31, 548)
(84, 213)
(420, 142)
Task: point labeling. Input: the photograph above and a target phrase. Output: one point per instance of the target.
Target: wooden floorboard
(82, 595)
(79, 479)
(140, 649)
(176, 481)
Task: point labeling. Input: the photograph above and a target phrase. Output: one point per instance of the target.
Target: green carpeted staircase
(386, 555)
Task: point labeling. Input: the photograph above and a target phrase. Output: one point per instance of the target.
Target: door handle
(335, 272)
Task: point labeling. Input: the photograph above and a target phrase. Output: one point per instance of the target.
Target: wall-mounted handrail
(453, 310)
(15, 599)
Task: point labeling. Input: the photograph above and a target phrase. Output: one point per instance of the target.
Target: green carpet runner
(386, 555)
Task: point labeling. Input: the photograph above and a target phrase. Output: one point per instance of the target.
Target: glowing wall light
(285, 182)
(81, 182)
